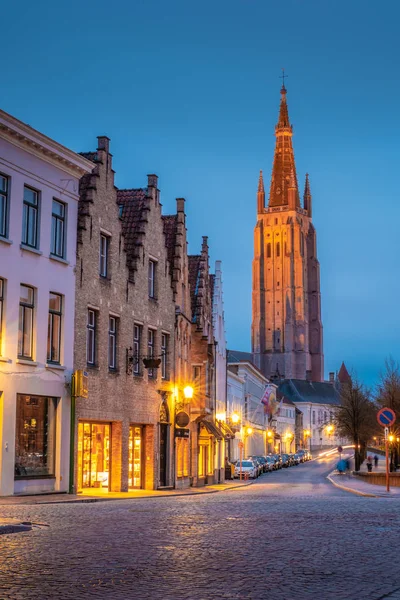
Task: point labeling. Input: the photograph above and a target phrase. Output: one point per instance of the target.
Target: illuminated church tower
(286, 331)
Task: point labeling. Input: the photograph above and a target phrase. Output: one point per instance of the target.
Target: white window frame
(152, 278)
(112, 342)
(91, 334)
(137, 341)
(164, 355)
(52, 314)
(5, 204)
(104, 254)
(58, 230)
(151, 340)
(31, 211)
(24, 307)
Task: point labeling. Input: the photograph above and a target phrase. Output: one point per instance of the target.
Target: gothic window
(278, 249)
(268, 250)
(302, 244)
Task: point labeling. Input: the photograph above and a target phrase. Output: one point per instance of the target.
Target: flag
(269, 399)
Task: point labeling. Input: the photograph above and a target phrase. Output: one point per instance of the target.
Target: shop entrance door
(135, 457)
(93, 456)
(163, 453)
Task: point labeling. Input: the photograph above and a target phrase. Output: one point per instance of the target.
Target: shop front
(208, 452)
(135, 478)
(94, 462)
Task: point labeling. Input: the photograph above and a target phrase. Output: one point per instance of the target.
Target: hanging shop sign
(182, 418)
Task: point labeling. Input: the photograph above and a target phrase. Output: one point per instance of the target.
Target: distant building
(286, 327)
(317, 401)
(246, 387)
(39, 183)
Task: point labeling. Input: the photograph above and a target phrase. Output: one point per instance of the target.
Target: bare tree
(388, 389)
(356, 416)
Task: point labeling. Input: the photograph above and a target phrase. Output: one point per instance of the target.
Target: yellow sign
(81, 384)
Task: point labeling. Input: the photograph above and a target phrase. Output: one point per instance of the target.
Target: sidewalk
(351, 483)
(94, 495)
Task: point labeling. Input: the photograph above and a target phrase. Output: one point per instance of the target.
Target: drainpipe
(72, 437)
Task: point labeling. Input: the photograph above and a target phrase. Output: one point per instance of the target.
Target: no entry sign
(386, 417)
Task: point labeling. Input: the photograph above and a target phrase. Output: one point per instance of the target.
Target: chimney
(103, 143)
(152, 181)
(308, 375)
(180, 205)
(332, 377)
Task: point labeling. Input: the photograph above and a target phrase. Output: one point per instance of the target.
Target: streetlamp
(188, 392)
(329, 431)
(269, 440)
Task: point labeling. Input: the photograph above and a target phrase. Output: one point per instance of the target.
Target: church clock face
(278, 190)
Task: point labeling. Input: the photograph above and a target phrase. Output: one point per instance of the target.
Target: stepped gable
(194, 280)
(170, 227)
(135, 210)
(317, 392)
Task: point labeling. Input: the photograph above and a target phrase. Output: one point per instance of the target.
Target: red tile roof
(194, 276)
(134, 216)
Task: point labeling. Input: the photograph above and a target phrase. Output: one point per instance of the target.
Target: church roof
(317, 392)
(343, 375)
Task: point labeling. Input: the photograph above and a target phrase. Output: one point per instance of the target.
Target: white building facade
(218, 324)
(246, 387)
(39, 186)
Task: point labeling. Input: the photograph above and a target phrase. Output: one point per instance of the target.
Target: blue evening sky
(190, 91)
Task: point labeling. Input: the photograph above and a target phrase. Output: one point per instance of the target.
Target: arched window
(302, 244)
(278, 249)
(268, 250)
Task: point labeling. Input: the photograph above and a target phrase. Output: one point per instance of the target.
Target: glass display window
(35, 436)
(94, 455)
(135, 457)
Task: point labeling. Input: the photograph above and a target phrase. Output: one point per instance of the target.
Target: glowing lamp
(249, 431)
(188, 392)
(235, 418)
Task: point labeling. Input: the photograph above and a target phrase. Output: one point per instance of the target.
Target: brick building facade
(125, 312)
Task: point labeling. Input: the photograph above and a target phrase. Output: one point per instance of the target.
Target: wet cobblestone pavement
(291, 535)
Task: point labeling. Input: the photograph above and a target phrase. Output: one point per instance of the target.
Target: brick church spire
(284, 168)
(286, 300)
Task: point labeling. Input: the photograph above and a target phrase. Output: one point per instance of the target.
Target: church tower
(286, 331)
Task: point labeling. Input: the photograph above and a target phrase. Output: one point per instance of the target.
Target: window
(104, 247)
(30, 218)
(91, 338)
(278, 249)
(25, 328)
(164, 355)
(35, 436)
(58, 229)
(196, 375)
(1, 312)
(152, 278)
(302, 244)
(54, 329)
(4, 185)
(112, 343)
(137, 341)
(150, 349)
(268, 250)
(120, 210)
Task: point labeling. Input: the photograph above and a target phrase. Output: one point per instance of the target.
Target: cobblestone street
(291, 535)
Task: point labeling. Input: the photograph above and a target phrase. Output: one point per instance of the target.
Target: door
(163, 453)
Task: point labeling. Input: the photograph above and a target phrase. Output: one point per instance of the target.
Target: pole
(241, 458)
(72, 437)
(387, 458)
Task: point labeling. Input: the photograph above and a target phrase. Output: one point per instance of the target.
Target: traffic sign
(340, 449)
(386, 417)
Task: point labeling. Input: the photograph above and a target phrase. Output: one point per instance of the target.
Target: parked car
(257, 462)
(302, 454)
(285, 460)
(247, 467)
(278, 460)
(296, 458)
(271, 463)
(264, 464)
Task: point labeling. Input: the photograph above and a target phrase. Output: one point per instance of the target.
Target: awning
(226, 430)
(211, 428)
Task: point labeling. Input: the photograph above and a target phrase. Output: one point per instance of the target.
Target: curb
(351, 490)
(85, 500)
